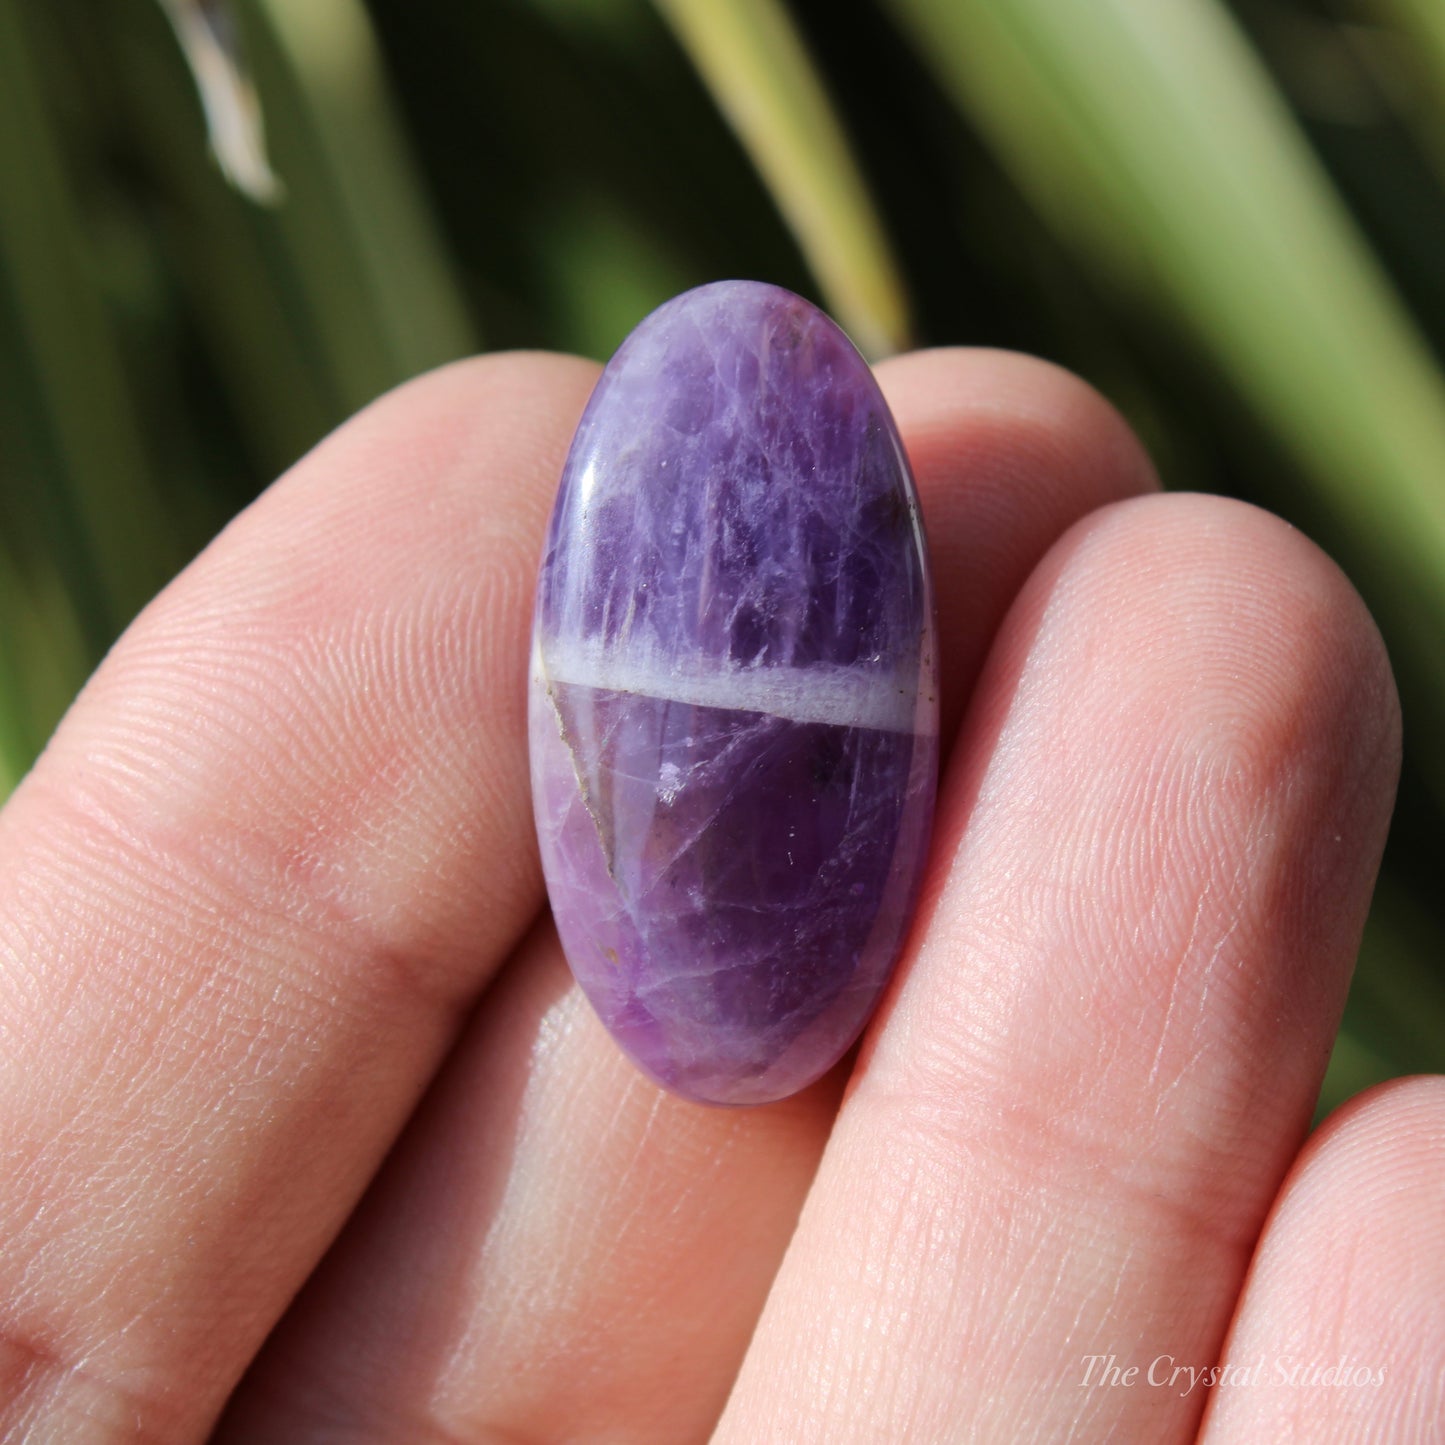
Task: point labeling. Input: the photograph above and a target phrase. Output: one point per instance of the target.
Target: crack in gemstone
(584, 793)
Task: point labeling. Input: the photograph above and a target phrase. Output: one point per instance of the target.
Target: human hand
(278, 1013)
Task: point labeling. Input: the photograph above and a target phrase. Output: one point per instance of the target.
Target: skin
(306, 1135)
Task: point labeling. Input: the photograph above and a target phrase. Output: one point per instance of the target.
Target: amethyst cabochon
(733, 701)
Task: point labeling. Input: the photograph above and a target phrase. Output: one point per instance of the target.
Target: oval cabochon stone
(733, 704)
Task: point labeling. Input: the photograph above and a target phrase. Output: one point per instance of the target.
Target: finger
(1154, 852)
(1340, 1332)
(573, 1254)
(269, 858)
(556, 1249)
(1008, 451)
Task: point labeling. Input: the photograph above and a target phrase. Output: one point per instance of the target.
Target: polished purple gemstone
(734, 717)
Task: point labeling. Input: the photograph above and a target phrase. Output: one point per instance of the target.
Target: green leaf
(1148, 132)
(1421, 23)
(99, 511)
(235, 279)
(761, 76)
(371, 270)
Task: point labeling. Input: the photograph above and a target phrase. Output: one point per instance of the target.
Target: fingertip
(1343, 1300)
(1385, 1144)
(1008, 451)
(1035, 420)
(495, 425)
(1217, 623)
(1186, 731)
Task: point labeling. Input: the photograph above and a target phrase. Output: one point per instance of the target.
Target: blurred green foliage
(1229, 217)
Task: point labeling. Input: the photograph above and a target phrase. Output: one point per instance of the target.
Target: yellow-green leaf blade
(759, 72)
